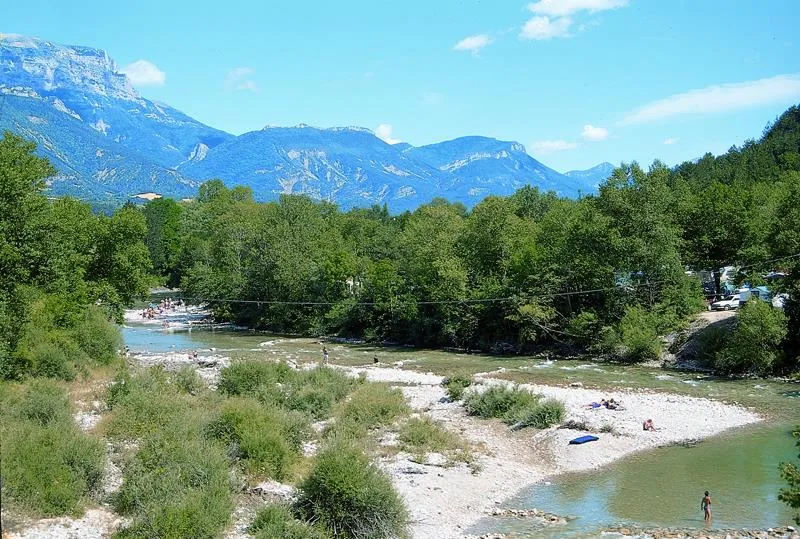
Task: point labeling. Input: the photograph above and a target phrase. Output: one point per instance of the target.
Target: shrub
(254, 435)
(754, 344)
(97, 336)
(539, 415)
(187, 380)
(53, 357)
(350, 497)
(455, 385)
(45, 403)
(638, 335)
(679, 301)
(370, 406)
(277, 521)
(50, 469)
(175, 487)
(423, 435)
(710, 341)
(584, 328)
(316, 391)
(515, 406)
(498, 401)
(143, 404)
(245, 377)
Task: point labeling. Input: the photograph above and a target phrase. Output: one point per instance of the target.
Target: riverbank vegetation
(65, 273)
(605, 273)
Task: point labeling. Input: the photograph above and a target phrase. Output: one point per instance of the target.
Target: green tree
(163, 242)
(754, 344)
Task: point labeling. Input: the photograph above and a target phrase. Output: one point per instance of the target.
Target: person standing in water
(705, 505)
(324, 355)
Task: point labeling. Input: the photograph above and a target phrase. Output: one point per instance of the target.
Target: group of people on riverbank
(609, 404)
(164, 306)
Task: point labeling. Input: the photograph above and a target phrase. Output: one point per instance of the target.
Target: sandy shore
(444, 502)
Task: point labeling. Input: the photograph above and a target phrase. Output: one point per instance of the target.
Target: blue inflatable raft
(583, 440)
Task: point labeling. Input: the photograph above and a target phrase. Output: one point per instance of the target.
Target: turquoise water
(663, 488)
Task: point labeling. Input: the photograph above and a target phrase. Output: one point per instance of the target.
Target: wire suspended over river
(423, 302)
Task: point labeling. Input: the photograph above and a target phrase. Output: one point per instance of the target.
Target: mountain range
(108, 142)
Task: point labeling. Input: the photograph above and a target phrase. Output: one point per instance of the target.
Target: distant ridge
(108, 142)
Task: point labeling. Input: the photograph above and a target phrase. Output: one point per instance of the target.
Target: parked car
(730, 302)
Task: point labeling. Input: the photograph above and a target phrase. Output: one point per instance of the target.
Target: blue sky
(577, 81)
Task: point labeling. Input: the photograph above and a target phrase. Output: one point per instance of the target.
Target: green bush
(456, 384)
(584, 328)
(350, 497)
(710, 342)
(277, 521)
(187, 380)
(515, 407)
(539, 415)
(46, 464)
(245, 377)
(175, 487)
(99, 338)
(679, 301)
(370, 406)
(498, 401)
(62, 338)
(54, 356)
(420, 436)
(143, 404)
(638, 336)
(316, 391)
(754, 343)
(45, 403)
(256, 436)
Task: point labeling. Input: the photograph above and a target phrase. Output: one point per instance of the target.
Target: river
(659, 488)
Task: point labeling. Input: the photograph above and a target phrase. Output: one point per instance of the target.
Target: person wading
(705, 505)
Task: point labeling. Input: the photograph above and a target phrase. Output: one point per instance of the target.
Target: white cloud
(473, 44)
(553, 18)
(544, 147)
(384, 132)
(591, 132)
(720, 98)
(239, 79)
(144, 73)
(670, 141)
(540, 28)
(564, 8)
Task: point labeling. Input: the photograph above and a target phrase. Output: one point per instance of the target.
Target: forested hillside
(605, 272)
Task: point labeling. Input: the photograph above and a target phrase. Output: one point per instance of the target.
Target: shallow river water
(661, 487)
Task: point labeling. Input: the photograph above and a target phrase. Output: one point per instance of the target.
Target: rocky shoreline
(785, 532)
